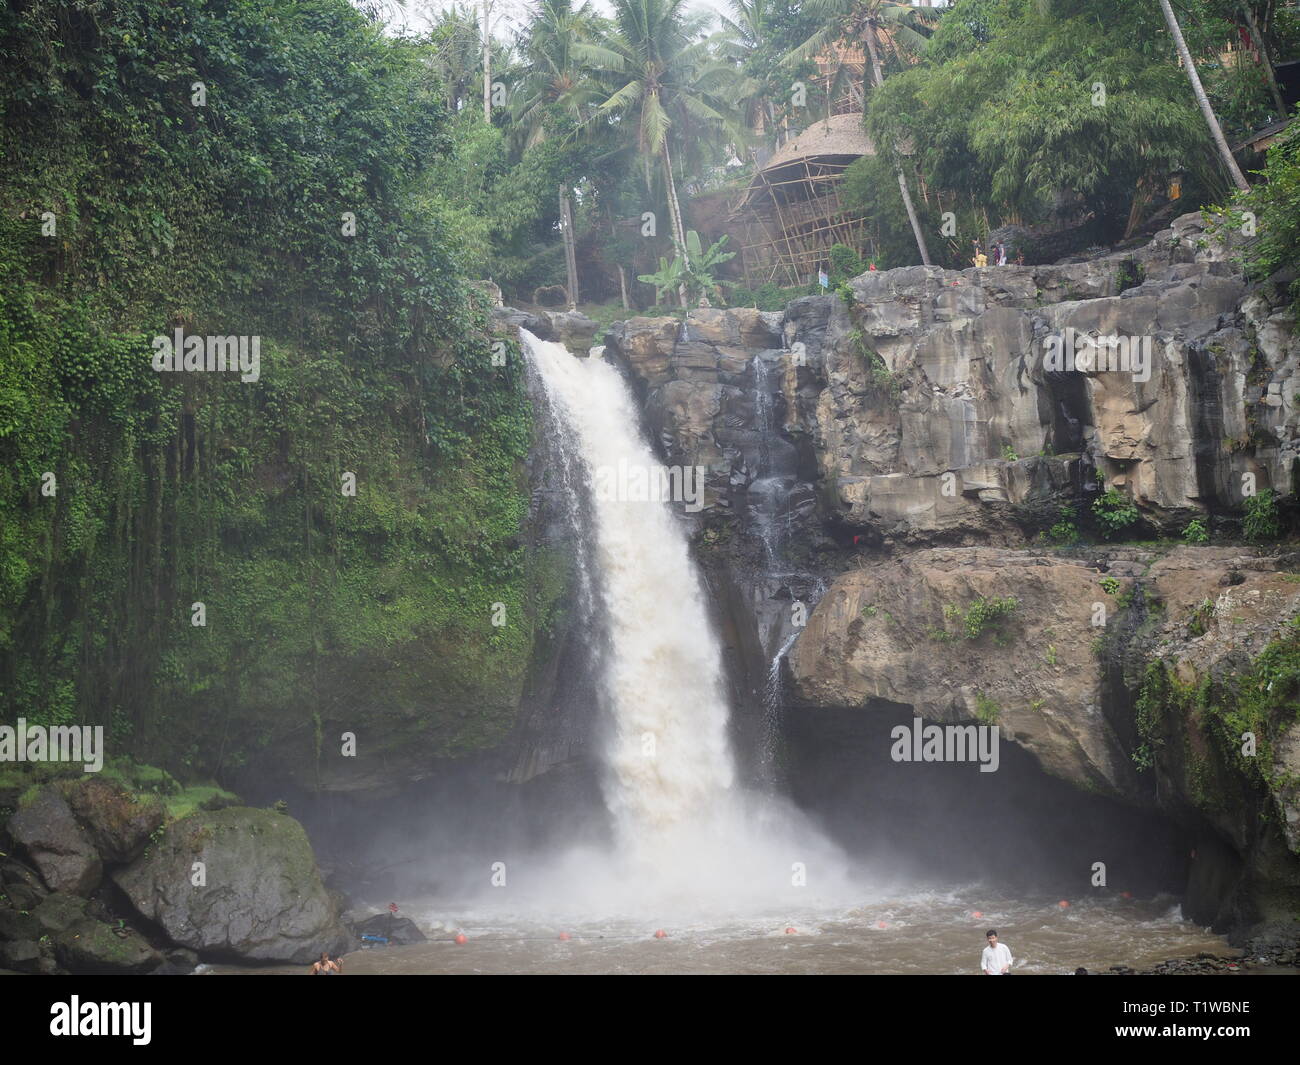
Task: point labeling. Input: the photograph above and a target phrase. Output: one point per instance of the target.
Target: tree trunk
(487, 63)
(1269, 74)
(675, 216)
(622, 286)
(1211, 120)
(570, 248)
(877, 77)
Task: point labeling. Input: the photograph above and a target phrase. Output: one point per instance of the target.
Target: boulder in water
(261, 900)
(401, 932)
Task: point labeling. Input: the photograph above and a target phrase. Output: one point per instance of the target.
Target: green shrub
(1261, 521)
(988, 613)
(986, 709)
(1114, 511)
(1064, 532)
(1196, 533)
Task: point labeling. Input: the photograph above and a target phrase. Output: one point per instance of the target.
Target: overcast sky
(416, 13)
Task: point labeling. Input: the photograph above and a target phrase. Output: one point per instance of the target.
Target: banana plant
(669, 278)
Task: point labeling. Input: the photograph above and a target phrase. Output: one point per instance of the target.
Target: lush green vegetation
(295, 173)
(644, 123)
(1025, 111)
(134, 204)
(1215, 715)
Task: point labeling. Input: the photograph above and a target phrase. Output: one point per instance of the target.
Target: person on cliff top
(980, 258)
(996, 959)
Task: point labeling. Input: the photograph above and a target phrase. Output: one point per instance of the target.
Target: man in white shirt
(996, 959)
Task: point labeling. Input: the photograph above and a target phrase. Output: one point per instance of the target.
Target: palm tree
(745, 34)
(899, 30)
(657, 75)
(1211, 119)
(457, 55)
(555, 76)
(556, 79)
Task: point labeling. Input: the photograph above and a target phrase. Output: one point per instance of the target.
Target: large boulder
(22, 886)
(22, 955)
(91, 946)
(61, 850)
(261, 898)
(117, 822)
(58, 912)
(15, 924)
(892, 638)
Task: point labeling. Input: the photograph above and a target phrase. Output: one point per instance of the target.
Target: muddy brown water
(924, 932)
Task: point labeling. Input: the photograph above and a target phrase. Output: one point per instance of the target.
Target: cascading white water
(668, 751)
(684, 828)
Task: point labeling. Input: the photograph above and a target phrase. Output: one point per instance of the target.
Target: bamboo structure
(791, 213)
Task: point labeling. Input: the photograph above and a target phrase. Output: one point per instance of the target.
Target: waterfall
(668, 753)
(682, 826)
(773, 706)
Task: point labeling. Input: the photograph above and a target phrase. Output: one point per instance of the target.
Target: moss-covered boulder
(117, 822)
(238, 884)
(64, 854)
(91, 946)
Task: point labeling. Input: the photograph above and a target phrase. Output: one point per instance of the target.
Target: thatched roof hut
(791, 214)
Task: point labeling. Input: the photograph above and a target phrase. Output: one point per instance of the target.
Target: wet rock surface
(261, 898)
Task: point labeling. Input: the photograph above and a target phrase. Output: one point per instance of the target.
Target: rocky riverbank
(129, 873)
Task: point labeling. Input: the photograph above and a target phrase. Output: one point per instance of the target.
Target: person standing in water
(996, 959)
(326, 966)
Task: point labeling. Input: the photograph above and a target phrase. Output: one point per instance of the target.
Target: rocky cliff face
(905, 451)
(932, 410)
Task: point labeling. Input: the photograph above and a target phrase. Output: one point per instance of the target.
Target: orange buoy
(462, 938)
(881, 924)
(1063, 904)
(661, 934)
(789, 931)
(564, 935)
(977, 914)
